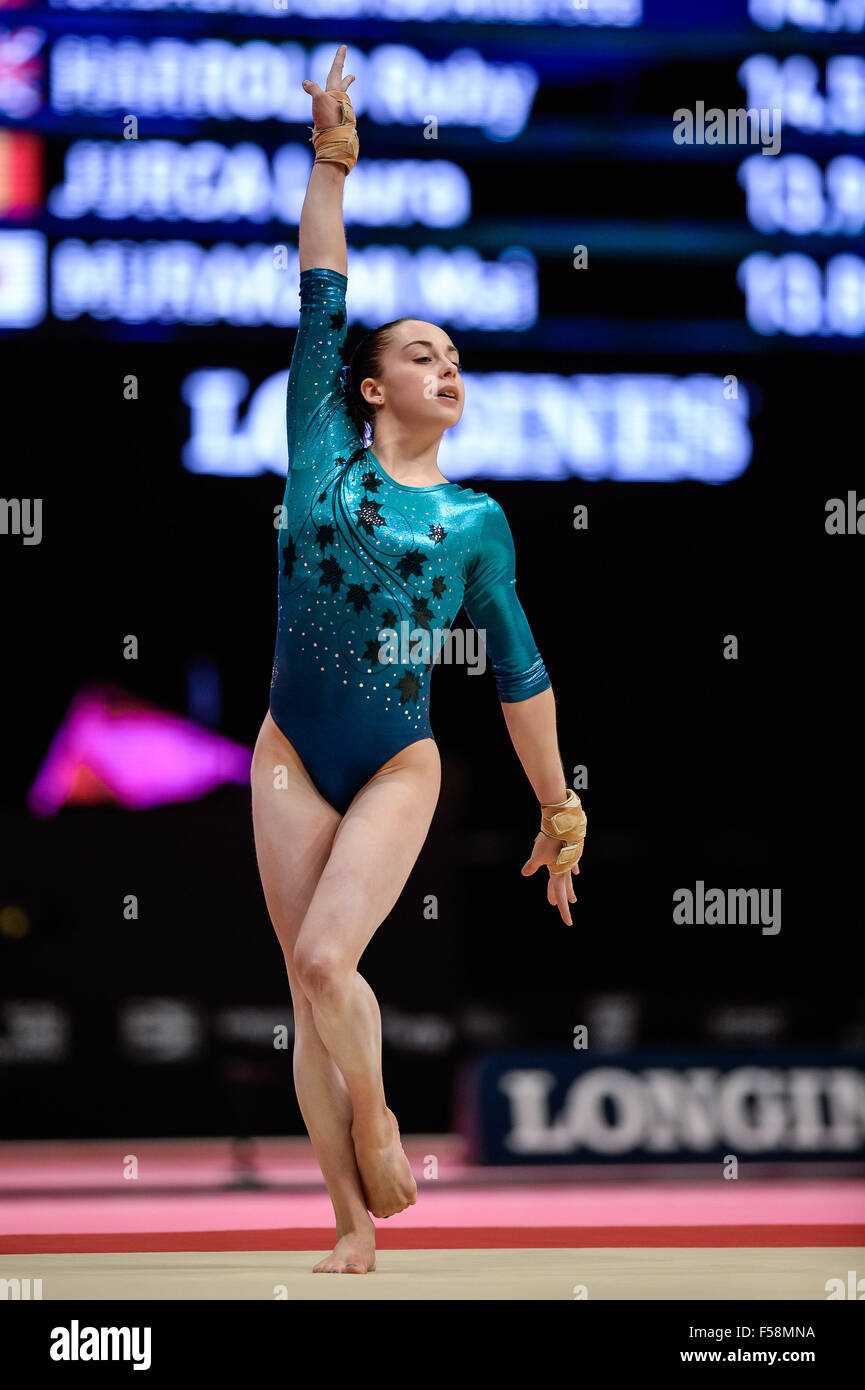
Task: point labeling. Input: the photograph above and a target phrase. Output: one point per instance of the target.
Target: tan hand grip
(566, 823)
(338, 144)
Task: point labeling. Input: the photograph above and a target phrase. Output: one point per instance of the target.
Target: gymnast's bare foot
(354, 1253)
(385, 1172)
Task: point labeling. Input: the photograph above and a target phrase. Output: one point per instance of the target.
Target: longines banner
(571, 1107)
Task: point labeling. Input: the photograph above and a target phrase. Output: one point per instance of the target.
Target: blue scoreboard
(612, 204)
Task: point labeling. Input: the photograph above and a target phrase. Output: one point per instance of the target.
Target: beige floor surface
(754, 1274)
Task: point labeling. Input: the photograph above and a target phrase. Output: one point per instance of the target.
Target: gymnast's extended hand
(326, 109)
(559, 846)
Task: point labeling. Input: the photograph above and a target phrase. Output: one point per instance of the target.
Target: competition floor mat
(212, 1220)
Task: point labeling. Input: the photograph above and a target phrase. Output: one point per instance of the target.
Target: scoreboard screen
(618, 206)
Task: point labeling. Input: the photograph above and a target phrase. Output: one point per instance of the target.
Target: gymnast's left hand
(560, 888)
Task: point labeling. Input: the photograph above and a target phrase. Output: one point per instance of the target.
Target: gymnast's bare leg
(329, 882)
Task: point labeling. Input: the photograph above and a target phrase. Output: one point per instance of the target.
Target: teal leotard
(359, 555)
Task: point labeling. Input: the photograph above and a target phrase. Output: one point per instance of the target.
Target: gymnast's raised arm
(322, 235)
(319, 424)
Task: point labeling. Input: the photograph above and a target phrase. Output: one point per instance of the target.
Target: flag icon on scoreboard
(20, 174)
(22, 278)
(20, 72)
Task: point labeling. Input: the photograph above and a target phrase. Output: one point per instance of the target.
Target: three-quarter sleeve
(493, 607)
(317, 415)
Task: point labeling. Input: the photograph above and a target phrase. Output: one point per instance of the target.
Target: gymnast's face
(420, 382)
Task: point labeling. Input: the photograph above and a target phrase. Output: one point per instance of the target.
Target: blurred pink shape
(114, 747)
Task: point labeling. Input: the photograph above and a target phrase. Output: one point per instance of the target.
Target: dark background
(740, 773)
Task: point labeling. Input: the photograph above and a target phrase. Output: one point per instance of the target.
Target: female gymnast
(346, 773)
